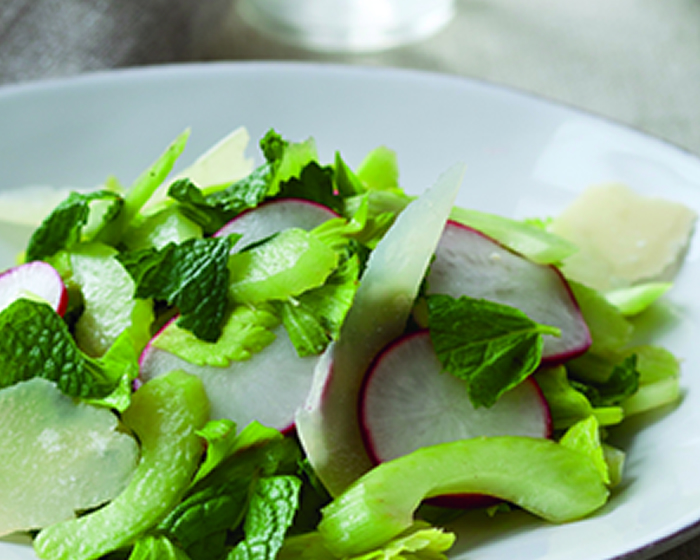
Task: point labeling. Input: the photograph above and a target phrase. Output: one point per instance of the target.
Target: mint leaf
(193, 276)
(64, 226)
(346, 180)
(223, 441)
(315, 183)
(492, 347)
(35, 342)
(304, 328)
(211, 212)
(271, 513)
(219, 501)
(273, 146)
(623, 382)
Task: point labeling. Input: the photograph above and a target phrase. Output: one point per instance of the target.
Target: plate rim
(154, 71)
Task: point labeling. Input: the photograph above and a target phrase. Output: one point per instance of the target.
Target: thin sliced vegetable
(328, 424)
(543, 477)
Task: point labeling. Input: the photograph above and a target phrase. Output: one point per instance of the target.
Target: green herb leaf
(314, 183)
(272, 510)
(223, 441)
(211, 212)
(219, 500)
(64, 226)
(192, 276)
(623, 382)
(492, 347)
(35, 342)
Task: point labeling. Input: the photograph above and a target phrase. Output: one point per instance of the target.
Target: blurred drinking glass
(347, 25)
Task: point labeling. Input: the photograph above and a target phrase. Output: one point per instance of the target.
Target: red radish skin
(274, 216)
(408, 401)
(34, 279)
(467, 262)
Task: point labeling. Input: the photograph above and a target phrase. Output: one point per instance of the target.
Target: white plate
(525, 156)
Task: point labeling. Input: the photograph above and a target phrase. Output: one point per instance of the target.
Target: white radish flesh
(34, 280)
(408, 401)
(328, 425)
(269, 387)
(275, 216)
(469, 263)
(275, 382)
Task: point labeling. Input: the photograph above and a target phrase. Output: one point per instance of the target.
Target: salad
(299, 360)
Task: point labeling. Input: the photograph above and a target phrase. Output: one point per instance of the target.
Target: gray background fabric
(633, 61)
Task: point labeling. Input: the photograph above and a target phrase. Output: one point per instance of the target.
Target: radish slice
(274, 216)
(269, 387)
(273, 383)
(467, 262)
(35, 280)
(328, 425)
(408, 401)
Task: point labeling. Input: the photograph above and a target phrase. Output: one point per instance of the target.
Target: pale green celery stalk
(168, 225)
(164, 414)
(567, 405)
(610, 330)
(615, 459)
(380, 202)
(530, 241)
(584, 437)
(285, 266)
(142, 189)
(297, 155)
(635, 299)
(419, 542)
(247, 330)
(659, 380)
(107, 292)
(552, 481)
(379, 170)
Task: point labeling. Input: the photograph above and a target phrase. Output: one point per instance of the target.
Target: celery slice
(552, 481)
(164, 414)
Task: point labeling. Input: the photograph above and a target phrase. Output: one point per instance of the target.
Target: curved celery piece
(539, 475)
(659, 380)
(610, 330)
(164, 414)
(567, 405)
(635, 299)
(110, 308)
(532, 242)
(287, 265)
